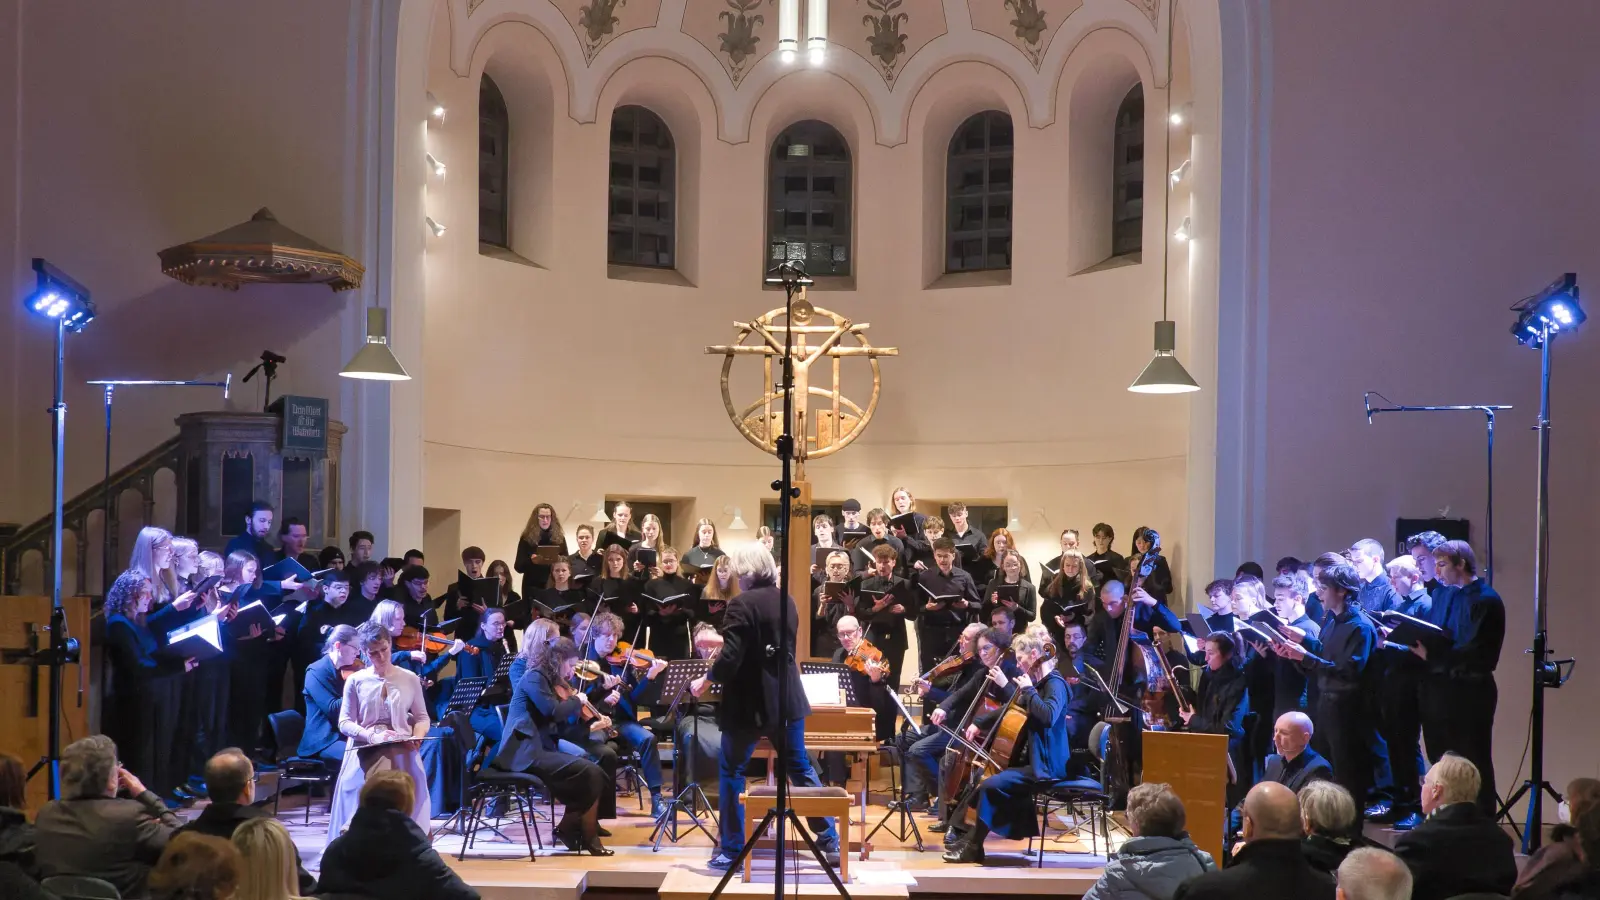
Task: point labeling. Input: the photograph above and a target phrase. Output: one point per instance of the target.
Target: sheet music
(822, 688)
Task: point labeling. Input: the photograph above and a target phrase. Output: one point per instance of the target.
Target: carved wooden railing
(138, 476)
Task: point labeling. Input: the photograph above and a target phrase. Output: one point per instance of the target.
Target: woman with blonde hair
(152, 559)
(650, 538)
(271, 863)
(543, 530)
(721, 587)
(1069, 597)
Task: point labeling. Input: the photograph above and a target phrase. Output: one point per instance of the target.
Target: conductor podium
(25, 683)
(1196, 766)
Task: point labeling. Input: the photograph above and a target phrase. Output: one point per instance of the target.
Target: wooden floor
(499, 868)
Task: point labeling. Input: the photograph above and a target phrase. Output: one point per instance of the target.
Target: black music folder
(200, 639)
(907, 521)
(819, 555)
(646, 557)
(483, 592)
(833, 589)
(610, 538)
(549, 554)
(1408, 630)
(1011, 592)
(286, 568)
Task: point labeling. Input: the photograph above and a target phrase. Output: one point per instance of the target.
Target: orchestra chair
(1086, 800)
(287, 727)
(835, 802)
(488, 785)
(80, 887)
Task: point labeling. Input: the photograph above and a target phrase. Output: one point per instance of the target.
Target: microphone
(1366, 401)
(227, 385)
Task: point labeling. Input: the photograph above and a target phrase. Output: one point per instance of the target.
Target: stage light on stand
(57, 297)
(375, 361)
(1553, 309)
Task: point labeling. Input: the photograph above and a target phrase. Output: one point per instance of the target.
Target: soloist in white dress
(371, 706)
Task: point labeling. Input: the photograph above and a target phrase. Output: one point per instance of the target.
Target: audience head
(389, 789)
(1271, 813)
(1589, 836)
(230, 778)
(1291, 733)
(1582, 794)
(1369, 873)
(1155, 811)
(1453, 779)
(269, 863)
(196, 867)
(1327, 809)
(13, 783)
(89, 768)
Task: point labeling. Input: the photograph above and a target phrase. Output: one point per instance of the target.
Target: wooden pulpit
(1196, 766)
(25, 688)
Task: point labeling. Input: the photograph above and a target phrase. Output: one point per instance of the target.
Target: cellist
(1005, 801)
(993, 652)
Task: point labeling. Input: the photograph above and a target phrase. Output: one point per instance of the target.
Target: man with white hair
(1372, 874)
(1458, 849)
(750, 669)
(1295, 765)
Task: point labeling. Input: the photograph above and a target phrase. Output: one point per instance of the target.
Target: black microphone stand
(269, 368)
(793, 277)
(1489, 413)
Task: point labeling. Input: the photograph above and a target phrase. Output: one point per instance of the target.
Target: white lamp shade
(375, 361)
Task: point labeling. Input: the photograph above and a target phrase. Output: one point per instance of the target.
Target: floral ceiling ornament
(599, 22)
(740, 42)
(885, 41)
(1028, 21)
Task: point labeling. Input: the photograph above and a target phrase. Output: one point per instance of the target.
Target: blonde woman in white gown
(384, 706)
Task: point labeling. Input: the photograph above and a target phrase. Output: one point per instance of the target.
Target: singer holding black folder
(543, 530)
(1008, 589)
(832, 599)
(248, 703)
(885, 604)
(941, 597)
(672, 599)
(141, 713)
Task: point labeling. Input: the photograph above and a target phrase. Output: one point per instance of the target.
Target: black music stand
(839, 669)
(675, 683)
(907, 827)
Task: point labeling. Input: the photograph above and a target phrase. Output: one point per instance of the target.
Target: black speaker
(1452, 529)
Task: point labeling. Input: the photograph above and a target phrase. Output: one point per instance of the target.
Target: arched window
(642, 180)
(494, 165)
(809, 200)
(978, 220)
(1127, 176)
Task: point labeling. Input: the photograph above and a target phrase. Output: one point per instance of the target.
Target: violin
(628, 654)
(950, 665)
(866, 659)
(587, 670)
(411, 638)
(346, 671)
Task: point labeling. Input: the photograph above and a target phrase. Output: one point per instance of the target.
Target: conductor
(749, 670)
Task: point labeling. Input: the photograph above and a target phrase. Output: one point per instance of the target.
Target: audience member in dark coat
(1328, 820)
(384, 854)
(90, 832)
(1457, 849)
(231, 784)
(1557, 866)
(1270, 864)
(1295, 765)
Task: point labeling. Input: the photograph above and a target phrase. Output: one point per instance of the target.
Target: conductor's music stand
(675, 683)
(457, 712)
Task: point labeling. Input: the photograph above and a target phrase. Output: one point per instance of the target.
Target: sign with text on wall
(305, 423)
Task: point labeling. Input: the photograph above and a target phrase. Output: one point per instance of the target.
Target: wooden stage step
(690, 884)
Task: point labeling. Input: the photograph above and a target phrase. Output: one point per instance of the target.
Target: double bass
(1120, 768)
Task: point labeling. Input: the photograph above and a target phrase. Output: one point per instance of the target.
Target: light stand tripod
(1547, 673)
(1489, 413)
(793, 277)
(110, 385)
(269, 368)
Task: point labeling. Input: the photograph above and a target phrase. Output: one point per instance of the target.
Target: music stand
(466, 694)
(840, 669)
(675, 682)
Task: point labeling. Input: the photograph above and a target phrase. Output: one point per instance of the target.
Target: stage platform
(500, 870)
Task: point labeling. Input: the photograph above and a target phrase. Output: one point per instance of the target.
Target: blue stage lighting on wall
(57, 296)
(1549, 312)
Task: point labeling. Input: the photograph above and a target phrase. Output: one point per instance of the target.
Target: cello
(1120, 767)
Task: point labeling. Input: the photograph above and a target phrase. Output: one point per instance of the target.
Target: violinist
(923, 754)
(697, 728)
(543, 703)
(719, 589)
(1010, 591)
(491, 647)
(869, 676)
(674, 600)
(1005, 801)
(621, 685)
(826, 610)
(886, 619)
(324, 691)
(392, 616)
